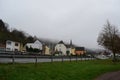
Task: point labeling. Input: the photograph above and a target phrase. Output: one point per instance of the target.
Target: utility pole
(13, 57)
(35, 60)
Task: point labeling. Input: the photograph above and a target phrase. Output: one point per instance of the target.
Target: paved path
(32, 60)
(9, 58)
(110, 76)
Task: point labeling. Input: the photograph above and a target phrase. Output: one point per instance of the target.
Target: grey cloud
(79, 20)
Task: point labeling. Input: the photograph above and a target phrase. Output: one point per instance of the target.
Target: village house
(47, 50)
(36, 45)
(12, 46)
(22, 47)
(64, 49)
(71, 48)
(79, 50)
(61, 48)
(72, 51)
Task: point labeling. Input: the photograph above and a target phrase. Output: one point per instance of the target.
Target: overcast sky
(78, 20)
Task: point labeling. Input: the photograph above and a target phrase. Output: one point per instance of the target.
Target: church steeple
(71, 43)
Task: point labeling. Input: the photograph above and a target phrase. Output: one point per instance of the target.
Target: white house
(36, 45)
(12, 46)
(60, 47)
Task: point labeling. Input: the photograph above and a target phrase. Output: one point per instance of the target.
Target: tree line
(15, 35)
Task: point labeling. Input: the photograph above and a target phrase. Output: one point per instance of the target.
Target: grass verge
(81, 70)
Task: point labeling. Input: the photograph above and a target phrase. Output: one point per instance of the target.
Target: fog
(78, 20)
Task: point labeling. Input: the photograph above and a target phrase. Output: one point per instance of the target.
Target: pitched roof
(67, 45)
(79, 48)
(12, 41)
(61, 42)
(37, 42)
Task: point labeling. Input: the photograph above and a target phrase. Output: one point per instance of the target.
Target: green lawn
(81, 70)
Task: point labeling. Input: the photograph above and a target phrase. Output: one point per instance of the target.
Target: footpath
(109, 76)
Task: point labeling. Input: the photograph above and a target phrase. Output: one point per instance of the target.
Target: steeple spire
(71, 43)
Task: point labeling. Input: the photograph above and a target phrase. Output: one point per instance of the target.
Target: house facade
(72, 51)
(65, 49)
(36, 45)
(47, 50)
(79, 50)
(12, 46)
(71, 48)
(61, 48)
(22, 48)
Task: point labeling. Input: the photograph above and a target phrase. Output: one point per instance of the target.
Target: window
(16, 49)
(8, 48)
(9, 43)
(16, 44)
(60, 45)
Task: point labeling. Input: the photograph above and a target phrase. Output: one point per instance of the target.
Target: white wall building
(12, 46)
(36, 45)
(60, 47)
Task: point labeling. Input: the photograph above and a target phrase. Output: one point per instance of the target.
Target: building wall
(36, 44)
(16, 46)
(12, 46)
(9, 46)
(73, 51)
(62, 48)
(47, 50)
(22, 48)
(79, 52)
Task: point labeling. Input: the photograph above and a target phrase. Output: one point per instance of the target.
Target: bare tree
(109, 38)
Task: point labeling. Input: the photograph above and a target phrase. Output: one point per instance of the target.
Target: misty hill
(20, 36)
(15, 35)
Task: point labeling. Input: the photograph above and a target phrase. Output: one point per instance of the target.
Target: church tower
(71, 44)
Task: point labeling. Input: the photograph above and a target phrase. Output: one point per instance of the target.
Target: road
(33, 58)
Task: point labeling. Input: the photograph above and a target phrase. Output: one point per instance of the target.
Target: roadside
(109, 76)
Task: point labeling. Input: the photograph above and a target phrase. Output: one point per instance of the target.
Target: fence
(12, 58)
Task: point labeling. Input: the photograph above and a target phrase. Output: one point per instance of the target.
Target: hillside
(19, 36)
(15, 35)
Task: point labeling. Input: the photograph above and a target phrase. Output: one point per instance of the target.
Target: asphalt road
(33, 58)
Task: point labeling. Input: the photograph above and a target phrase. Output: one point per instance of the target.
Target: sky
(78, 20)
